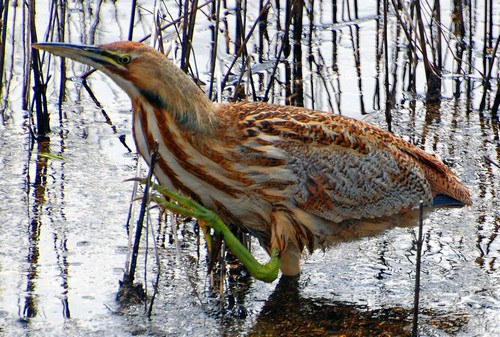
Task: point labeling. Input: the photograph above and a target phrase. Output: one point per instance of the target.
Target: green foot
(187, 207)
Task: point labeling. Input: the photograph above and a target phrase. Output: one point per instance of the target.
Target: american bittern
(294, 178)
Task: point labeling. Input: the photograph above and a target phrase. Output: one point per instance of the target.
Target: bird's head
(145, 74)
(130, 64)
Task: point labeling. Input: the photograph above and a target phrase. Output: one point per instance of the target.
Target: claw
(206, 234)
(213, 244)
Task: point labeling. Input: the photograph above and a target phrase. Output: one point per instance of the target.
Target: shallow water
(64, 241)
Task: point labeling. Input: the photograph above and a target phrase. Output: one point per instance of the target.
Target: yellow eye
(124, 59)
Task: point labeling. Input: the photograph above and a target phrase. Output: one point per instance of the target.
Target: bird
(296, 179)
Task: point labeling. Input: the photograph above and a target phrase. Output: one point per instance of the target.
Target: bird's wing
(339, 185)
(343, 168)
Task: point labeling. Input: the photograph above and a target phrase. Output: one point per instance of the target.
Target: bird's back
(343, 161)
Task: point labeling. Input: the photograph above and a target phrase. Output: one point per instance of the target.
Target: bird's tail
(447, 189)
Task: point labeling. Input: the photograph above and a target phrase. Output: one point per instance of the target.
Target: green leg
(187, 207)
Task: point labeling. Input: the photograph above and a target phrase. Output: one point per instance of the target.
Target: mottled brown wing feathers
(348, 169)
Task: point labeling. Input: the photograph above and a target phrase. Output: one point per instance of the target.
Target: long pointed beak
(91, 55)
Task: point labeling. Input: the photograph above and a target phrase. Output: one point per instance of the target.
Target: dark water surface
(64, 243)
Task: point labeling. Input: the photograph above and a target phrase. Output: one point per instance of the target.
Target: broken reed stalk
(98, 104)
(287, 50)
(458, 14)
(245, 60)
(459, 32)
(496, 102)
(215, 38)
(61, 29)
(420, 242)
(239, 91)
(298, 82)
(85, 84)
(310, 59)
(239, 29)
(222, 273)
(133, 8)
(432, 71)
(40, 87)
(487, 76)
(388, 103)
(485, 36)
(355, 39)
(184, 42)
(157, 280)
(436, 22)
(4, 10)
(187, 32)
(128, 277)
(150, 230)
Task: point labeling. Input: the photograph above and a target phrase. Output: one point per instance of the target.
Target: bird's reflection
(287, 312)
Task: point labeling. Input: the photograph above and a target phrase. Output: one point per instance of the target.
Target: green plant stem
(267, 272)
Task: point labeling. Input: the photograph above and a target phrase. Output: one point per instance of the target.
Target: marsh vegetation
(425, 70)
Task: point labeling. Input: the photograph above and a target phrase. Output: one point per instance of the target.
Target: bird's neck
(174, 93)
(192, 112)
